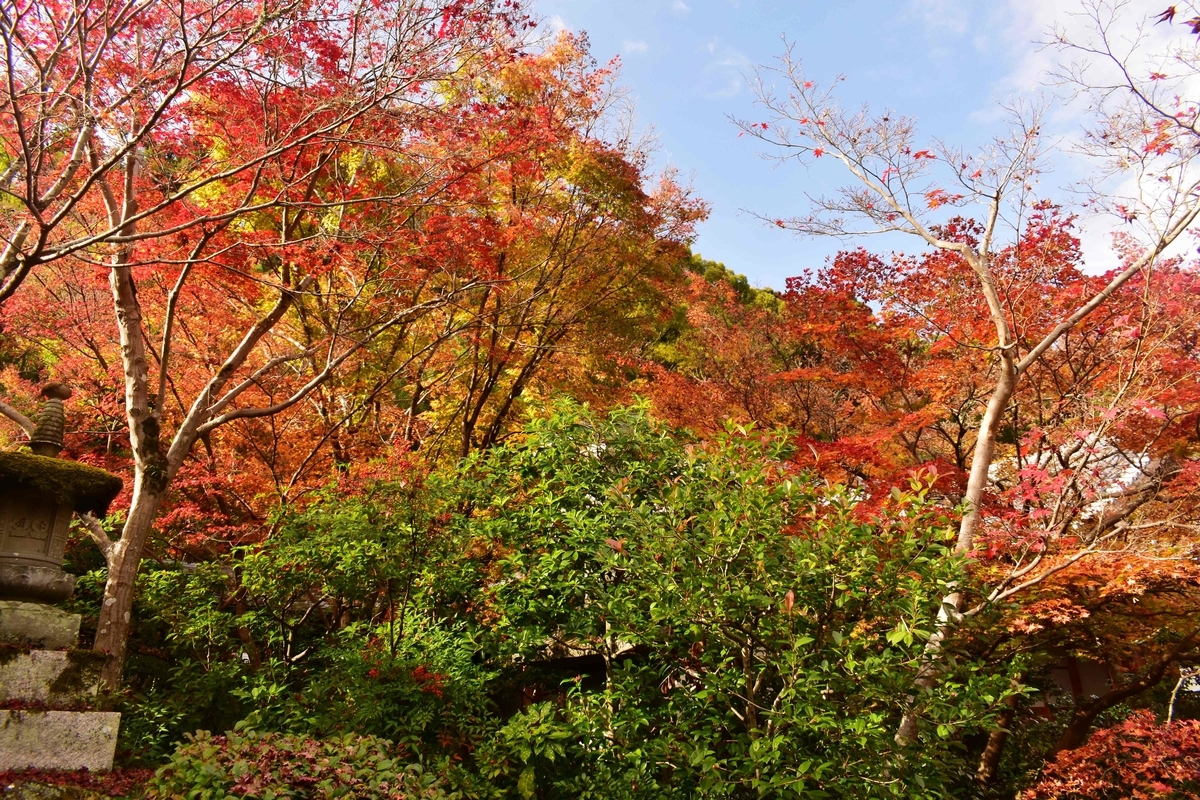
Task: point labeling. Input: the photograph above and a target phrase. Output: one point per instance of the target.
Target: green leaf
(527, 783)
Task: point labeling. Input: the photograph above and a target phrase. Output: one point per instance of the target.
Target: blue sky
(947, 62)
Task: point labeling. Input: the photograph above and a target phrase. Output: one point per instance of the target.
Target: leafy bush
(426, 690)
(249, 764)
(752, 631)
(187, 697)
(599, 609)
(185, 662)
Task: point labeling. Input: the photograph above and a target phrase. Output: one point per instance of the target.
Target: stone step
(53, 678)
(58, 740)
(37, 625)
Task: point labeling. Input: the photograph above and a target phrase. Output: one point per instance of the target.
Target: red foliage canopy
(1136, 760)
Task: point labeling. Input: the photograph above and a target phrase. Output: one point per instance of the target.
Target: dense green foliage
(715, 272)
(686, 619)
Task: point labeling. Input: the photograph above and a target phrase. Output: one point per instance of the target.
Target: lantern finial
(47, 439)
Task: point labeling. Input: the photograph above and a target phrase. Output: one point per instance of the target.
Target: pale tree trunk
(981, 462)
(124, 558)
(151, 472)
(155, 467)
(985, 450)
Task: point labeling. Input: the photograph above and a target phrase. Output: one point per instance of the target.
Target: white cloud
(732, 88)
(1021, 30)
(1019, 27)
(555, 24)
(1026, 26)
(726, 56)
(680, 7)
(941, 16)
(733, 58)
(636, 47)
(724, 72)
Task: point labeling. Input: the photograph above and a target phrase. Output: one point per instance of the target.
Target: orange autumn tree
(96, 89)
(1137, 759)
(527, 225)
(244, 218)
(586, 235)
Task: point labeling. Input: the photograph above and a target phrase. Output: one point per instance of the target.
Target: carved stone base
(33, 582)
(58, 740)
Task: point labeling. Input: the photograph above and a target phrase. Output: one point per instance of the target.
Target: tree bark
(985, 448)
(124, 559)
(989, 760)
(150, 469)
(981, 462)
(1080, 724)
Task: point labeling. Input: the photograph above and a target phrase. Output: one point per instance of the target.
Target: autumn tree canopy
(436, 434)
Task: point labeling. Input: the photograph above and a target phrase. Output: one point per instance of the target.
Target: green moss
(84, 488)
(34, 790)
(81, 676)
(10, 653)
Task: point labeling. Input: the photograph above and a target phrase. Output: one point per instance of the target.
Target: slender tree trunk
(981, 463)
(1076, 732)
(989, 761)
(610, 643)
(124, 558)
(150, 474)
(243, 633)
(1084, 716)
(985, 451)
(927, 675)
(751, 700)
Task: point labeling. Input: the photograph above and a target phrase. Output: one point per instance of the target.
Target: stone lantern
(46, 682)
(38, 496)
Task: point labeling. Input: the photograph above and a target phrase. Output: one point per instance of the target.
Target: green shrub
(601, 609)
(753, 632)
(186, 697)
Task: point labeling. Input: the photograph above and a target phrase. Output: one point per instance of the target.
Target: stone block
(58, 740)
(55, 678)
(23, 790)
(37, 625)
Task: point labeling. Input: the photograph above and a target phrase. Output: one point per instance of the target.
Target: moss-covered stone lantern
(38, 495)
(48, 686)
